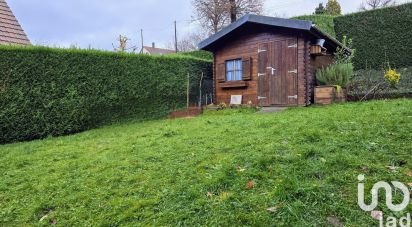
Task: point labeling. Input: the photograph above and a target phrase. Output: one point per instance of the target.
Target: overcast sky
(97, 23)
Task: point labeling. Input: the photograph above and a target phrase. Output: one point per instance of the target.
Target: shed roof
(10, 30)
(302, 25)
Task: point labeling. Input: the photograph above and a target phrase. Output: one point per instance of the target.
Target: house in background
(10, 30)
(153, 50)
(268, 61)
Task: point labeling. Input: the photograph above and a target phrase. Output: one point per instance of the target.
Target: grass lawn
(223, 168)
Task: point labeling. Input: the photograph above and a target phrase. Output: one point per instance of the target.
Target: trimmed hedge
(51, 92)
(379, 33)
(199, 54)
(324, 22)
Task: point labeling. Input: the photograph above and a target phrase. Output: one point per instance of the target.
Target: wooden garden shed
(268, 61)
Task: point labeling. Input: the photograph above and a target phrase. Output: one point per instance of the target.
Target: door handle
(273, 70)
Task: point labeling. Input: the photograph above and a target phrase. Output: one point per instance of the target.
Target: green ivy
(51, 92)
(379, 36)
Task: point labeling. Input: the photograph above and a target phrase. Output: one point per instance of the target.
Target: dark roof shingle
(10, 30)
(269, 21)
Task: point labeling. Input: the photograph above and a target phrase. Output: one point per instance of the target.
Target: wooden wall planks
(245, 44)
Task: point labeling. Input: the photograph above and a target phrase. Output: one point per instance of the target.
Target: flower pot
(326, 95)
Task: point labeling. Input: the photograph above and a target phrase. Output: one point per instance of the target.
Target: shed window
(234, 70)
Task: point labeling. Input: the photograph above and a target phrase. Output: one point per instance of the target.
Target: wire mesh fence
(371, 84)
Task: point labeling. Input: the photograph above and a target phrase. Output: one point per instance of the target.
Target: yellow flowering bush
(392, 77)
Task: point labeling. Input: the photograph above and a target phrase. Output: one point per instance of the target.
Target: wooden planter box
(326, 95)
(191, 112)
(317, 50)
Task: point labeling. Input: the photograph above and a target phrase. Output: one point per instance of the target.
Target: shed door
(263, 75)
(291, 64)
(277, 83)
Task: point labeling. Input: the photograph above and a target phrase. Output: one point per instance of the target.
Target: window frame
(237, 70)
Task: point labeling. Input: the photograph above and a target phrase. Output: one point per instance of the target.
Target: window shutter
(221, 72)
(247, 69)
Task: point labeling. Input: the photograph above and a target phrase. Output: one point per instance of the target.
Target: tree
(241, 7)
(233, 11)
(123, 45)
(187, 43)
(375, 4)
(213, 15)
(320, 9)
(333, 8)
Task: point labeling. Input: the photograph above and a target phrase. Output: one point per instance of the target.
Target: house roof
(302, 25)
(10, 30)
(158, 51)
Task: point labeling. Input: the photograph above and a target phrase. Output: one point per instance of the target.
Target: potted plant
(333, 79)
(332, 82)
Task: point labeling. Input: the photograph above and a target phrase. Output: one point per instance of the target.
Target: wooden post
(188, 90)
(200, 91)
(141, 36)
(176, 48)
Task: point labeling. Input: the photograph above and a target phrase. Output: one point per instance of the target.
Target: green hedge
(50, 92)
(199, 54)
(379, 33)
(324, 22)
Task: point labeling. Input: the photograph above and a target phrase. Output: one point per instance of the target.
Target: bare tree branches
(375, 4)
(188, 42)
(213, 15)
(241, 7)
(123, 45)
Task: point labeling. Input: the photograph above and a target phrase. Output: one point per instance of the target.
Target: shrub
(379, 36)
(364, 81)
(335, 74)
(342, 56)
(393, 77)
(50, 92)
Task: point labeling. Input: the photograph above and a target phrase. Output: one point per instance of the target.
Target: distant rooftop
(10, 30)
(156, 51)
